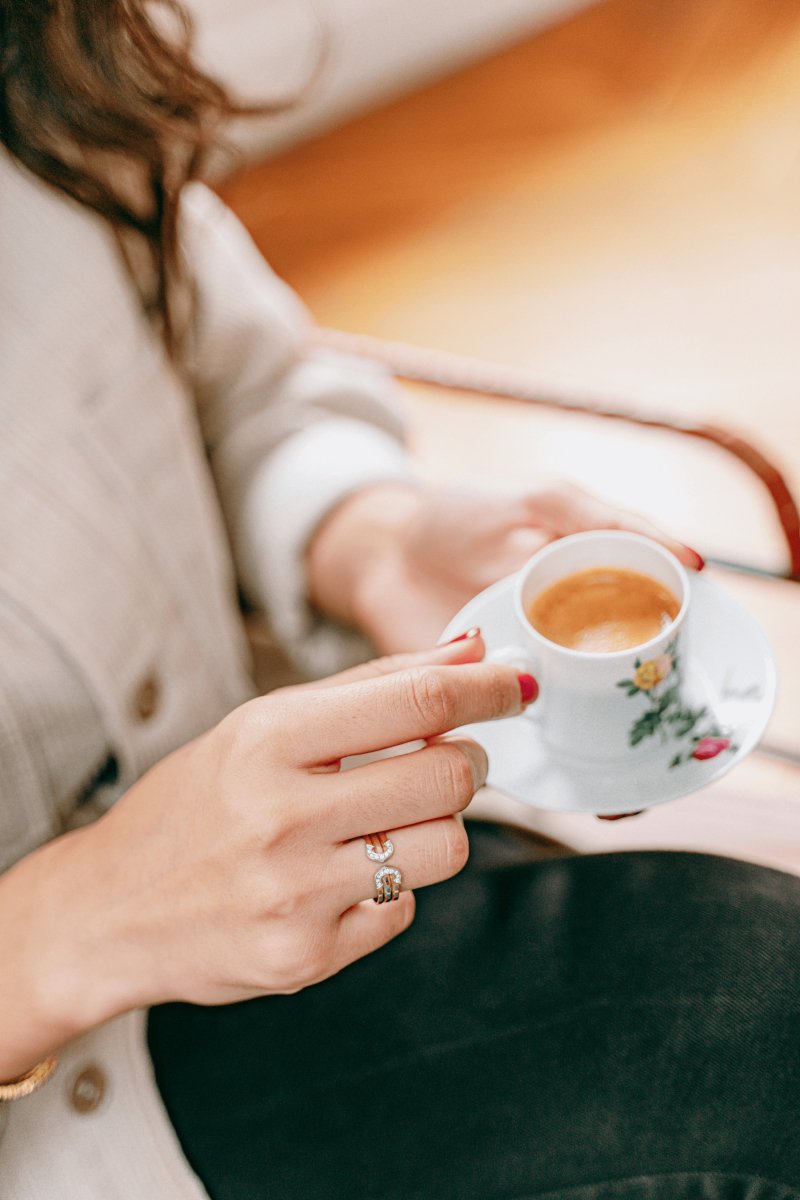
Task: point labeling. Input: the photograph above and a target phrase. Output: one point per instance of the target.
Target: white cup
(593, 706)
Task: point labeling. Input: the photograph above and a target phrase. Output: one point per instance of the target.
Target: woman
(167, 837)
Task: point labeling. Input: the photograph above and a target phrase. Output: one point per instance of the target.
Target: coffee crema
(603, 610)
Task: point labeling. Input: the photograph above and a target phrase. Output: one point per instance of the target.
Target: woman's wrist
(355, 545)
(65, 964)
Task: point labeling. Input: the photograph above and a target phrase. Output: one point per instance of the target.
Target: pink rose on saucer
(710, 747)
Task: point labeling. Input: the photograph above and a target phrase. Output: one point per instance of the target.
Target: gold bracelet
(31, 1081)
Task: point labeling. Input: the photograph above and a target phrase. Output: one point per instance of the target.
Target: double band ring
(379, 848)
(387, 884)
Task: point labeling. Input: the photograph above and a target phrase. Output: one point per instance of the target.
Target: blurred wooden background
(615, 206)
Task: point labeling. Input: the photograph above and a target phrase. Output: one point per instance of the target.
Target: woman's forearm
(63, 961)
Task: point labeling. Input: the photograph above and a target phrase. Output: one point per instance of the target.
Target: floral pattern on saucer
(697, 734)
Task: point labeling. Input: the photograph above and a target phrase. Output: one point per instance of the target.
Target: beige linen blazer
(133, 502)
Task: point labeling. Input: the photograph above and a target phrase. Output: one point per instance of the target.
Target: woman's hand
(400, 562)
(235, 867)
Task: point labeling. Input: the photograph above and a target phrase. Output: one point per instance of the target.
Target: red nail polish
(619, 816)
(463, 637)
(529, 688)
(701, 562)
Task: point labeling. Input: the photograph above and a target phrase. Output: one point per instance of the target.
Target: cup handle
(519, 657)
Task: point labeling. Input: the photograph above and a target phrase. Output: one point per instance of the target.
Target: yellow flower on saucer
(652, 672)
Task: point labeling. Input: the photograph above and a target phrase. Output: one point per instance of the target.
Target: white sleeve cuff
(288, 496)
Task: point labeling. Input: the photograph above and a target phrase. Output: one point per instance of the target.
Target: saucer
(729, 669)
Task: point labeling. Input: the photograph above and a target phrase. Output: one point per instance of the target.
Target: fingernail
(463, 637)
(618, 816)
(528, 688)
(700, 563)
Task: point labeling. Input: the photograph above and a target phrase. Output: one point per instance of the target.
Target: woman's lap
(622, 1025)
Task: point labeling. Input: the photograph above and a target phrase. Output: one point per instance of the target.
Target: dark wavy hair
(101, 99)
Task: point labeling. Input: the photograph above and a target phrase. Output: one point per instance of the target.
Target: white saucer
(729, 668)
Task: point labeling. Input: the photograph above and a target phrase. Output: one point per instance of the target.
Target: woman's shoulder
(37, 220)
(63, 284)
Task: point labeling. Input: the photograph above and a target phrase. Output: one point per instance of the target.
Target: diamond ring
(387, 884)
(379, 847)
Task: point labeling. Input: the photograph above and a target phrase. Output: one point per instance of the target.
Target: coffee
(603, 610)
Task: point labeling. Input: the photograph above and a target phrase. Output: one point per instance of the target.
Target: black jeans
(621, 1025)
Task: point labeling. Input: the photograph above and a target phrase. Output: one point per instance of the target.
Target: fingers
(367, 927)
(635, 524)
(567, 509)
(437, 781)
(323, 726)
(467, 647)
(424, 854)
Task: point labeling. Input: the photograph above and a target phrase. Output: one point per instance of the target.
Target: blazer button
(88, 1089)
(146, 698)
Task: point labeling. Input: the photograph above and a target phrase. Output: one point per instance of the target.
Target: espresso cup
(591, 705)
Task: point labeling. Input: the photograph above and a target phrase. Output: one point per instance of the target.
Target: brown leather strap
(443, 370)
